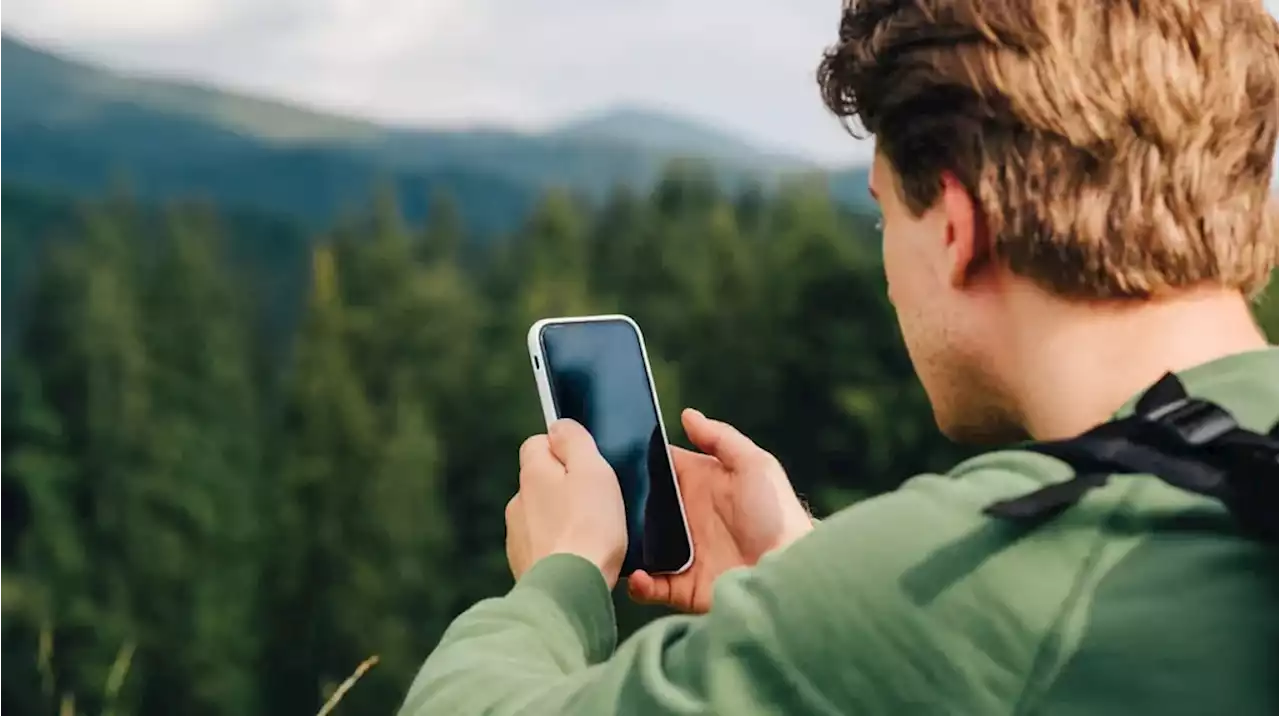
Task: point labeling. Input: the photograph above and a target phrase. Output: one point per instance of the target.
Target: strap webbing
(1190, 443)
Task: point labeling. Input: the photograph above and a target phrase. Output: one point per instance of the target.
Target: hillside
(55, 91)
(76, 127)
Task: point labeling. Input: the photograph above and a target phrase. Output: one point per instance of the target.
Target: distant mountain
(74, 127)
(66, 94)
(851, 188)
(314, 185)
(676, 136)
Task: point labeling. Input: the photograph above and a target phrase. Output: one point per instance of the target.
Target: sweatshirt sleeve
(547, 648)
(906, 603)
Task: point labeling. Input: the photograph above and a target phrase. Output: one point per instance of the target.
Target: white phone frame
(539, 361)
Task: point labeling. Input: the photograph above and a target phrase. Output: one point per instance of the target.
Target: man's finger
(718, 439)
(532, 447)
(516, 544)
(537, 462)
(688, 462)
(571, 443)
(644, 588)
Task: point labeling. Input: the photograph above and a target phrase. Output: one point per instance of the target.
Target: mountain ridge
(669, 131)
(625, 123)
(28, 63)
(76, 124)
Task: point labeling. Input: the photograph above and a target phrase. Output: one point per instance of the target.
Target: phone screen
(598, 377)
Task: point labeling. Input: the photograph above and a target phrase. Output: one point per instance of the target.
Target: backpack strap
(1190, 443)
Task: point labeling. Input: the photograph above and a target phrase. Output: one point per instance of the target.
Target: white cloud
(134, 20)
(365, 35)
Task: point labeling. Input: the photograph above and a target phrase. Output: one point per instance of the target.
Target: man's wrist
(780, 545)
(792, 535)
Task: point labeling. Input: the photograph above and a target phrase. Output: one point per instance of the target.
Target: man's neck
(1076, 365)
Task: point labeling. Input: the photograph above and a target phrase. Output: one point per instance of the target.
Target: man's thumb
(571, 443)
(720, 440)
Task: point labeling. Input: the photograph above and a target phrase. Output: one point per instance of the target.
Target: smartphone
(594, 369)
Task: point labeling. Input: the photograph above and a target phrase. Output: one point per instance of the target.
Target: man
(1076, 201)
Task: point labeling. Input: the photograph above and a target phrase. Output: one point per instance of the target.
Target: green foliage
(237, 464)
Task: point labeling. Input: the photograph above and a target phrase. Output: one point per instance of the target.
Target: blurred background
(268, 271)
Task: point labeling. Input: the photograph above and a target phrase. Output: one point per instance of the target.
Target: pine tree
(410, 323)
(43, 556)
(325, 450)
(400, 588)
(443, 239)
(78, 445)
(206, 470)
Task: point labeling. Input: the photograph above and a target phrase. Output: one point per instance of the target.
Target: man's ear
(966, 240)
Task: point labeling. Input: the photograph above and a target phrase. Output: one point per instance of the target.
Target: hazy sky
(745, 65)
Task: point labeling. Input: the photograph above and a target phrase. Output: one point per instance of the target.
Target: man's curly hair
(1115, 149)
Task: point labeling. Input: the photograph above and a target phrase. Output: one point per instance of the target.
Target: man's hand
(569, 502)
(739, 504)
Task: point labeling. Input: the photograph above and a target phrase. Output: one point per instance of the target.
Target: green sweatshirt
(1141, 599)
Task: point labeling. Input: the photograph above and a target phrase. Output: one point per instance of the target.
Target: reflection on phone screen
(597, 374)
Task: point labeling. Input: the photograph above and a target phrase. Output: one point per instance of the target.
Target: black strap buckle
(1192, 421)
(1190, 443)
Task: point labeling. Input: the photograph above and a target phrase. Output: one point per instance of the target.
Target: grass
(346, 685)
(116, 677)
(120, 671)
